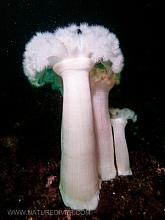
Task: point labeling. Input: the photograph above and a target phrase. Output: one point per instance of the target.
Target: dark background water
(30, 118)
(138, 25)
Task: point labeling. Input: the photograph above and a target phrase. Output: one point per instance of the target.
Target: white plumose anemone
(102, 80)
(119, 118)
(65, 58)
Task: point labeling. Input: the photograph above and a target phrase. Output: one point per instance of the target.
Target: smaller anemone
(119, 118)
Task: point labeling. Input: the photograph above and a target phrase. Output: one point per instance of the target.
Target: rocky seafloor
(30, 170)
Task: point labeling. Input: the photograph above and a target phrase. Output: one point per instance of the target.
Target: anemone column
(79, 183)
(104, 139)
(121, 150)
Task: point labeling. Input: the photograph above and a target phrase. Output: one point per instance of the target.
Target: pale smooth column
(79, 182)
(121, 150)
(103, 130)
